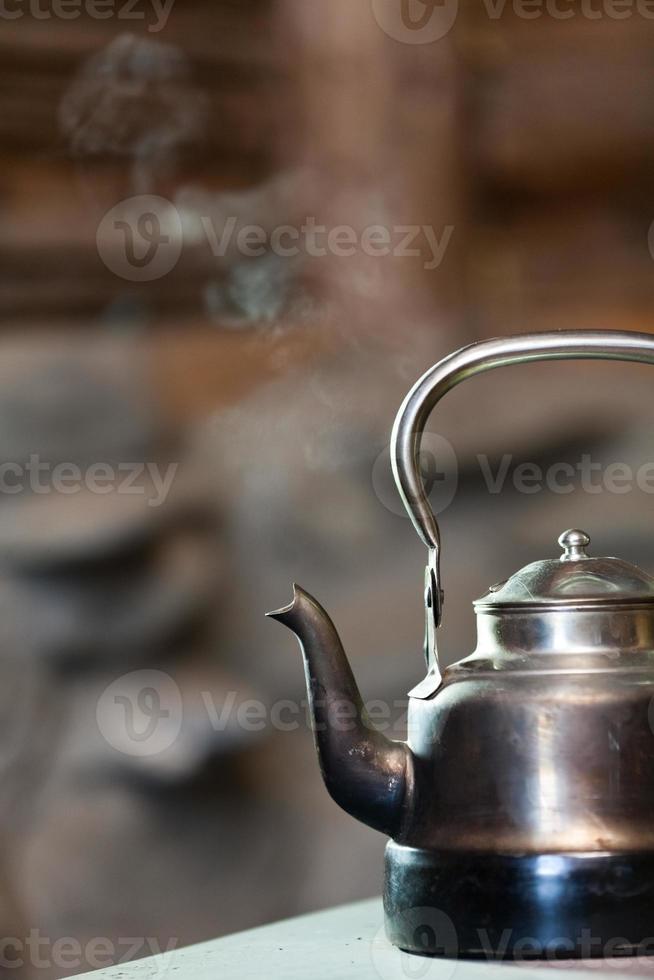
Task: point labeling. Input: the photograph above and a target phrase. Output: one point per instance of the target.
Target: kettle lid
(573, 579)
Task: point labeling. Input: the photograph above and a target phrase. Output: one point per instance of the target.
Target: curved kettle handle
(447, 374)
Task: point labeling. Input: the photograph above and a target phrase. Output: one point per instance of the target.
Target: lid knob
(574, 544)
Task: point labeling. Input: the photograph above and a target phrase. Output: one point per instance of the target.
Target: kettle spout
(367, 774)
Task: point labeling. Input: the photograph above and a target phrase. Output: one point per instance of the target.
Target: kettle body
(521, 807)
(528, 831)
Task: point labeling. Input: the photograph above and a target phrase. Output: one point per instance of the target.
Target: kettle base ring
(462, 904)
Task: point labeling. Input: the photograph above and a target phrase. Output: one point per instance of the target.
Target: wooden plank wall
(532, 137)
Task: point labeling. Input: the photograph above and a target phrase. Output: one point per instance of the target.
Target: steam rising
(298, 288)
(135, 100)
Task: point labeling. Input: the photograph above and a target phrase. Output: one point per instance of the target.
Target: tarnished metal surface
(466, 363)
(364, 772)
(524, 796)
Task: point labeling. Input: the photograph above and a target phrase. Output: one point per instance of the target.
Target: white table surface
(345, 943)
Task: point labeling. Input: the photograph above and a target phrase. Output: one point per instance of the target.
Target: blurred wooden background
(532, 140)
(531, 137)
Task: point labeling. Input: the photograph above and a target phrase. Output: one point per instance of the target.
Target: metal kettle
(521, 808)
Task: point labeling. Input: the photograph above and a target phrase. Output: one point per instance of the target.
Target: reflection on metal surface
(523, 797)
